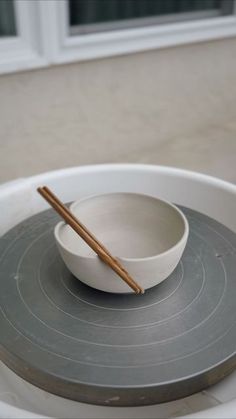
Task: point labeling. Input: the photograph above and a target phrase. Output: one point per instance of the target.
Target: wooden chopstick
(88, 232)
(89, 238)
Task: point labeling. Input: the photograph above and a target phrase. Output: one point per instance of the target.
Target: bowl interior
(129, 225)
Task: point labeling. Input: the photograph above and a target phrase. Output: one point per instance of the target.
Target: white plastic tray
(19, 200)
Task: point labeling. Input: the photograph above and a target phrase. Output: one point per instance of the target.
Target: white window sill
(17, 55)
(78, 48)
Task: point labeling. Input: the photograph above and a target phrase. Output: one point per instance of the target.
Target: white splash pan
(18, 201)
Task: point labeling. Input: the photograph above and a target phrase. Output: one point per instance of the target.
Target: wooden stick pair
(89, 238)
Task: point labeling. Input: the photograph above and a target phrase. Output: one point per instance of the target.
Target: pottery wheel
(79, 343)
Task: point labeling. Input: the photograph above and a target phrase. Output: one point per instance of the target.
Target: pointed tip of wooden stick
(139, 291)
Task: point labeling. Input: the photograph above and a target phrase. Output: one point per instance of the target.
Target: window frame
(105, 44)
(43, 37)
(26, 50)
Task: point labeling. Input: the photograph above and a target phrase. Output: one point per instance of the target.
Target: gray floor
(211, 150)
(174, 106)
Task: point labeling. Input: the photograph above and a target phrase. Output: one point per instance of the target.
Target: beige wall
(175, 106)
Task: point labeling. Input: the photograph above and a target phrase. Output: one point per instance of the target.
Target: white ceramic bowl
(147, 235)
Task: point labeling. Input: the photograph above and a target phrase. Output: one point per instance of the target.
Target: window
(7, 18)
(44, 32)
(89, 16)
(20, 36)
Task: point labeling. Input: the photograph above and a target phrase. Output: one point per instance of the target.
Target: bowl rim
(94, 256)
